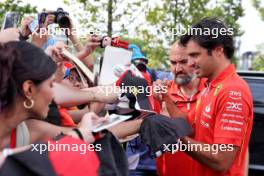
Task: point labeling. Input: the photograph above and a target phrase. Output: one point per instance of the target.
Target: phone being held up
(11, 20)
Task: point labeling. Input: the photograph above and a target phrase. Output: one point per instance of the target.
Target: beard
(183, 80)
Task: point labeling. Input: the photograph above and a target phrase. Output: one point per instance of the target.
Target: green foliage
(107, 15)
(152, 22)
(258, 61)
(15, 6)
(170, 17)
(260, 7)
(156, 55)
(183, 13)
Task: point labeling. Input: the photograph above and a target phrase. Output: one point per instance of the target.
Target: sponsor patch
(217, 89)
(232, 106)
(235, 95)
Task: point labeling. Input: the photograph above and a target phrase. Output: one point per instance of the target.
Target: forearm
(67, 96)
(38, 131)
(82, 54)
(78, 114)
(97, 107)
(105, 94)
(76, 42)
(210, 156)
(84, 57)
(128, 128)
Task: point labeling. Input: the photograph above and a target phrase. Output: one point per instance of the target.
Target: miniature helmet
(137, 54)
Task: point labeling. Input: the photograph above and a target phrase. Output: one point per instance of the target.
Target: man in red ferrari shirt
(224, 112)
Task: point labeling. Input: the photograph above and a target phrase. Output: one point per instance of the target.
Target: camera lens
(63, 21)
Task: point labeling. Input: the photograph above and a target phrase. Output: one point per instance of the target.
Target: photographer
(40, 29)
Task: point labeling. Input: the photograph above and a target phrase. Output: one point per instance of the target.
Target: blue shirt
(136, 147)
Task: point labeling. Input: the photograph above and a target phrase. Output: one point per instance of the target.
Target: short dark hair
(210, 41)
(21, 61)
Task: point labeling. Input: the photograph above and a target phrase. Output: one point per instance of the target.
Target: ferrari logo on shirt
(207, 111)
(208, 108)
(217, 89)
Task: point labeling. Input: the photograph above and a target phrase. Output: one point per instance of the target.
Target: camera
(11, 20)
(61, 18)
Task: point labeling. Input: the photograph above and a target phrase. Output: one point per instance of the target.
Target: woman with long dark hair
(26, 80)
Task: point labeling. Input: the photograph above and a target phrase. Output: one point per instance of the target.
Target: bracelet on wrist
(78, 133)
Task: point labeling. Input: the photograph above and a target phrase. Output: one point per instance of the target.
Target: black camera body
(61, 18)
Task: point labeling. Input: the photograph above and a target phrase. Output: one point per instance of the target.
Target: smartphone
(11, 20)
(33, 25)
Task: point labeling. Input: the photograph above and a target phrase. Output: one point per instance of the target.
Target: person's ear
(29, 89)
(218, 51)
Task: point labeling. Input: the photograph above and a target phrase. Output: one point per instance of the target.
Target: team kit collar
(227, 72)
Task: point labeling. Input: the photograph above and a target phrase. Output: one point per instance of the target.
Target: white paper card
(113, 56)
(113, 119)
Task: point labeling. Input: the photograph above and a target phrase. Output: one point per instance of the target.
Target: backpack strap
(22, 135)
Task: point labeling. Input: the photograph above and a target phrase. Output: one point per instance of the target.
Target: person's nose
(191, 62)
(178, 68)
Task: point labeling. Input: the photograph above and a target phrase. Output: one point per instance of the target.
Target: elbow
(224, 161)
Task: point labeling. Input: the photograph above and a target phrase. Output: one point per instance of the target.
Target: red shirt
(78, 159)
(224, 116)
(178, 163)
(13, 139)
(66, 119)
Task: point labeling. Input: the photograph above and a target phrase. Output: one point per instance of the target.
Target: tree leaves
(259, 6)
(258, 62)
(152, 24)
(15, 5)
